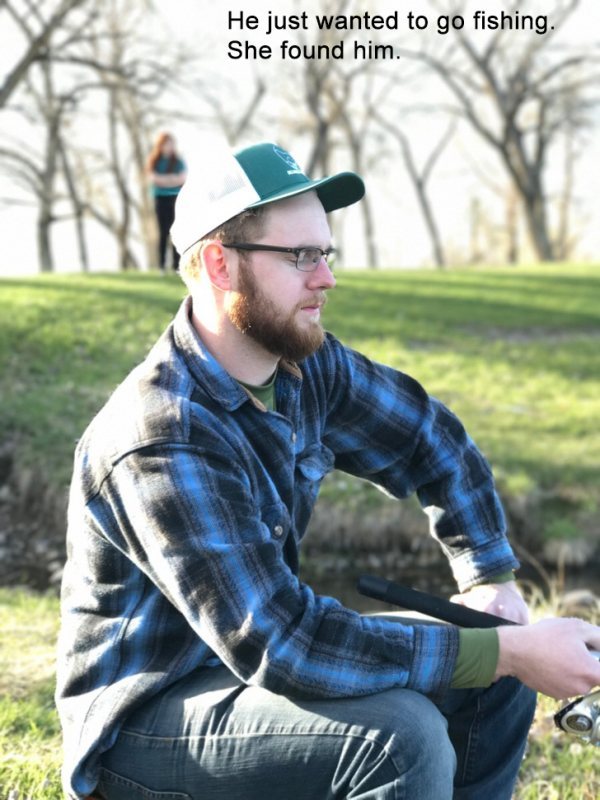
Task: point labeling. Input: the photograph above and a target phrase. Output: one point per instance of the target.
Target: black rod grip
(437, 607)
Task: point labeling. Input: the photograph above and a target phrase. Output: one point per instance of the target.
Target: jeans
(209, 736)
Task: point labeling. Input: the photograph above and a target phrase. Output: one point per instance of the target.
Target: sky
(203, 26)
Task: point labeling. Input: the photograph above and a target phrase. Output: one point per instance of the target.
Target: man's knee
(416, 744)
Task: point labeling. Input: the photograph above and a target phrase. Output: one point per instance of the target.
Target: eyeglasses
(307, 258)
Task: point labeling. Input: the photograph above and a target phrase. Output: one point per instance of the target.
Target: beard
(257, 316)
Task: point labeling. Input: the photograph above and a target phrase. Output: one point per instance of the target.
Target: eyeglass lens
(310, 258)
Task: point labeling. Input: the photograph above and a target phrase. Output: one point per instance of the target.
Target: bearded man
(194, 662)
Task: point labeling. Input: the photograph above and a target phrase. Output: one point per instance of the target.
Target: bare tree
(99, 55)
(36, 171)
(340, 99)
(134, 83)
(42, 104)
(232, 122)
(523, 82)
(420, 177)
(77, 203)
(497, 187)
(323, 107)
(38, 21)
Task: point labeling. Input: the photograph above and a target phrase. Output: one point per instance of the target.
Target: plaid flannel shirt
(188, 504)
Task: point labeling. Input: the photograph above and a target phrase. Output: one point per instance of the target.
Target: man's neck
(241, 356)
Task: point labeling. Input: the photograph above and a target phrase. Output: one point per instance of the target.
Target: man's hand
(502, 599)
(551, 656)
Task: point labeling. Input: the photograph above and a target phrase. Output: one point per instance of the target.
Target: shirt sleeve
(186, 517)
(384, 427)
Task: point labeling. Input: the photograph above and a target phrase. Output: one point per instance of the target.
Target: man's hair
(245, 227)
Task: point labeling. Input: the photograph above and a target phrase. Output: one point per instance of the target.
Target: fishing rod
(580, 717)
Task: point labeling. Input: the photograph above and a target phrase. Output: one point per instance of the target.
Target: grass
(30, 743)
(557, 767)
(65, 343)
(514, 351)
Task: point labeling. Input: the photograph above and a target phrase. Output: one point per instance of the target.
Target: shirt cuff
(478, 651)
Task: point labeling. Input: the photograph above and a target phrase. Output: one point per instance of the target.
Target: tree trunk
(356, 143)
(122, 222)
(512, 226)
(564, 244)
(78, 208)
(419, 181)
(424, 204)
(475, 231)
(45, 256)
(52, 110)
(537, 224)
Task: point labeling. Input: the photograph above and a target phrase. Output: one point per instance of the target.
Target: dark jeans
(165, 214)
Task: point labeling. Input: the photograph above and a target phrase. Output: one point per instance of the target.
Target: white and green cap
(227, 183)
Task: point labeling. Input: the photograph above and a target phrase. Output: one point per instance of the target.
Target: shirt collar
(205, 368)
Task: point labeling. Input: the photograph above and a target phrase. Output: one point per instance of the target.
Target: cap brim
(335, 191)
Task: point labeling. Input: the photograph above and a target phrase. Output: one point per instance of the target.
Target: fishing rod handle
(437, 607)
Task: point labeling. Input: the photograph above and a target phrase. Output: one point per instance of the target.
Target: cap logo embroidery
(289, 161)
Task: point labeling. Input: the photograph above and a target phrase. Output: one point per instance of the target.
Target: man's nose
(322, 277)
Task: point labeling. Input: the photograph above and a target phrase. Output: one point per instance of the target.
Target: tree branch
(36, 45)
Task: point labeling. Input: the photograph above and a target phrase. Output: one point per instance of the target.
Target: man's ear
(217, 265)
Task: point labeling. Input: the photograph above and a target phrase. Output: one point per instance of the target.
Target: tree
(339, 103)
(232, 122)
(33, 78)
(420, 177)
(97, 58)
(512, 91)
(38, 29)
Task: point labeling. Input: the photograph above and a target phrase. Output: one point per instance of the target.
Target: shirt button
(294, 437)
(278, 531)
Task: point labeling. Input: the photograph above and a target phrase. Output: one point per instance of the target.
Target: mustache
(318, 299)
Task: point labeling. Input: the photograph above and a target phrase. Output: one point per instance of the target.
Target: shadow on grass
(163, 293)
(433, 316)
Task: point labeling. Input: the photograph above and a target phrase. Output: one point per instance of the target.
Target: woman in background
(167, 175)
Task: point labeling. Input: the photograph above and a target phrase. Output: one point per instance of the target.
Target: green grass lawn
(30, 743)
(515, 352)
(557, 766)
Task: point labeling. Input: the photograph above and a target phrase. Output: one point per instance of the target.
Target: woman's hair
(245, 227)
(156, 153)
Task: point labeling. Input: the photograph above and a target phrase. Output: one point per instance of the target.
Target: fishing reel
(581, 718)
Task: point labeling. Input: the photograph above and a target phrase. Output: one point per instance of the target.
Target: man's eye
(313, 256)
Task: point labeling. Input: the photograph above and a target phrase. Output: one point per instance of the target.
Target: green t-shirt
(264, 393)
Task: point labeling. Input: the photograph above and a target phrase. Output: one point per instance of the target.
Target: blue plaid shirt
(188, 505)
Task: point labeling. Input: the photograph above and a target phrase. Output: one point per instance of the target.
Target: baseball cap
(223, 184)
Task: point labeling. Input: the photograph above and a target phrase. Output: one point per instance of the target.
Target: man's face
(276, 304)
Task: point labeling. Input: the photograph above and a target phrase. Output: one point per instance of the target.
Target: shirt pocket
(311, 467)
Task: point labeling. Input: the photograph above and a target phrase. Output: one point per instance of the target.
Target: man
(194, 662)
